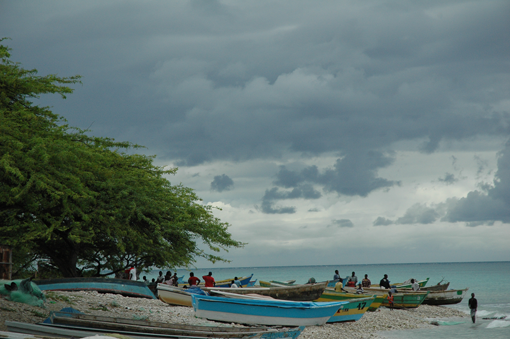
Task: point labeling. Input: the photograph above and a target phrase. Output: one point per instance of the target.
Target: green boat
(408, 299)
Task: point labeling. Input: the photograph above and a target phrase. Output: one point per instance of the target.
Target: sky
(326, 132)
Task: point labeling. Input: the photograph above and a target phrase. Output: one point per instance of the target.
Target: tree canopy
(84, 202)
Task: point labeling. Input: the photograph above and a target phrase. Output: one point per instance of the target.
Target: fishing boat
(329, 295)
(174, 295)
(81, 325)
(438, 287)
(128, 288)
(225, 282)
(447, 297)
(293, 293)
(275, 283)
(404, 299)
(264, 312)
(353, 310)
(405, 284)
(252, 283)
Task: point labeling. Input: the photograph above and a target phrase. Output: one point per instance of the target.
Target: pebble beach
(371, 325)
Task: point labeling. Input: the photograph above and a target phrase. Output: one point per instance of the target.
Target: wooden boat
(65, 324)
(224, 283)
(404, 299)
(353, 310)
(275, 283)
(330, 295)
(293, 293)
(252, 283)
(264, 312)
(448, 297)
(173, 295)
(405, 284)
(438, 287)
(128, 288)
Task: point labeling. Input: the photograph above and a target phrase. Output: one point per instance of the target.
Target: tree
(82, 202)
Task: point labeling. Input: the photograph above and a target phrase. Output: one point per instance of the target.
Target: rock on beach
(156, 310)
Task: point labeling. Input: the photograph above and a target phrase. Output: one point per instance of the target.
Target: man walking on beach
(473, 305)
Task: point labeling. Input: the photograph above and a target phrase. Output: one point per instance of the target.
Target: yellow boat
(330, 295)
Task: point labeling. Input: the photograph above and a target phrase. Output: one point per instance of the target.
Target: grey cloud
(354, 174)
(268, 207)
(380, 221)
(448, 179)
(276, 83)
(485, 207)
(342, 223)
(419, 214)
(222, 183)
(305, 191)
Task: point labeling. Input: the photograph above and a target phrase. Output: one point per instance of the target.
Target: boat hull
(128, 288)
(173, 295)
(352, 311)
(264, 312)
(448, 297)
(293, 293)
(408, 299)
(329, 295)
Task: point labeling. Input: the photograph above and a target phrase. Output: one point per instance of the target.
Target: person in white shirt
(415, 285)
(132, 273)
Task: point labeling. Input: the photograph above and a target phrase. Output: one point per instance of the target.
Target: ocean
(490, 281)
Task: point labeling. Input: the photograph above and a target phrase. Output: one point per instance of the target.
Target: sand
(369, 326)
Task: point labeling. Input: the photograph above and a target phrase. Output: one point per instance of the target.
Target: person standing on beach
(415, 285)
(209, 280)
(175, 279)
(161, 278)
(237, 282)
(336, 277)
(390, 300)
(473, 305)
(385, 282)
(366, 282)
(193, 281)
(132, 273)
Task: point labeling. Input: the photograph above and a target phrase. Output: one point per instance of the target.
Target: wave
(498, 324)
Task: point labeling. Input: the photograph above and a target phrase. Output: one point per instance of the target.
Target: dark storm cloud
(354, 174)
(203, 81)
(304, 191)
(222, 183)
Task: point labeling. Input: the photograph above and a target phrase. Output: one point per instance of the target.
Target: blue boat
(128, 288)
(264, 311)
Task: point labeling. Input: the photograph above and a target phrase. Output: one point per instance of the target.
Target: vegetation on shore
(84, 203)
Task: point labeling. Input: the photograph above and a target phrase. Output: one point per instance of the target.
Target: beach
(370, 325)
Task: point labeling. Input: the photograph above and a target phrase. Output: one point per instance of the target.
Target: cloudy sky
(328, 132)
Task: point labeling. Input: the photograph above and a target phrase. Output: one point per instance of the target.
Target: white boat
(173, 295)
(264, 312)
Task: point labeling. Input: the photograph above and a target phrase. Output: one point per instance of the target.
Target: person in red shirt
(193, 281)
(209, 280)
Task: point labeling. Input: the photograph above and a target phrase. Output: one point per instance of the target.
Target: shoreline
(155, 310)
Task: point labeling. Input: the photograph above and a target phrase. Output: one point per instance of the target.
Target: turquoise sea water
(490, 281)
